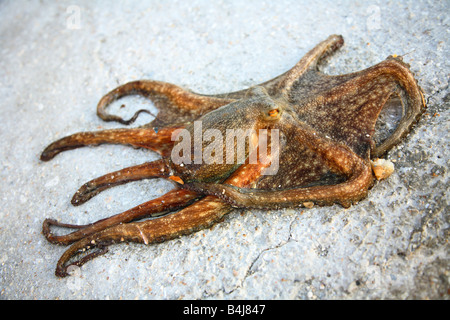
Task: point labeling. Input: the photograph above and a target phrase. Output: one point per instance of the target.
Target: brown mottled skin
(326, 126)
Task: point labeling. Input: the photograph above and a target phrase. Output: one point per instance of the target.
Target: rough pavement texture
(56, 62)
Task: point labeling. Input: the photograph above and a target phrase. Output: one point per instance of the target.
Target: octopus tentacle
(357, 99)
(285, 81)
(62, 271)
(345, 193)
(310, 61)
(159, 140)
(172, 100)
(414, 101)
(171, 201)
(199, 215)
(148, 170)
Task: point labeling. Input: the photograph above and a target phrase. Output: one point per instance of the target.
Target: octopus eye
(273, 114)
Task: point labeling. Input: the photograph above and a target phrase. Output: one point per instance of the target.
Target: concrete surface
(58, 59)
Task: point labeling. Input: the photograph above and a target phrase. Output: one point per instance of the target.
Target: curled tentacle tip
(86, 192)
(47, 155)
(46, 230)
(134, 117)
(46, 225)
(65, 271)
(61, 272)
(76, 201)
(80, 197)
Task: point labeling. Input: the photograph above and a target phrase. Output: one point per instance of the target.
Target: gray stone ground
(57, 60)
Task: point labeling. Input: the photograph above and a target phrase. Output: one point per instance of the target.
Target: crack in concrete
(249, 270)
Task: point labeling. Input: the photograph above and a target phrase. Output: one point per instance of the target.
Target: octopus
(319, 129)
